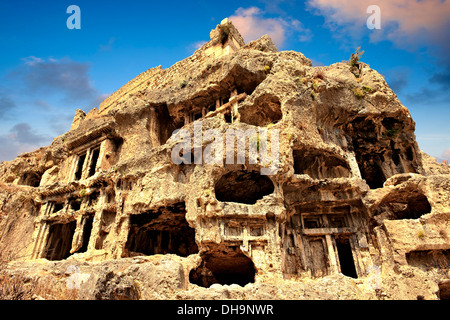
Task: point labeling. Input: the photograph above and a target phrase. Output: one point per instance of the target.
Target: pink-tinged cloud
(446, 155)
(252, 25)
(402, 21)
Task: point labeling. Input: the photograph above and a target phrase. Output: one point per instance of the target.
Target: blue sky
(48, 71)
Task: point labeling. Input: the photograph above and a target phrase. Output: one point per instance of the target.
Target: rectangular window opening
(197, 116)
(94, 160)
(58, 207)
(80, 163)
(345, 257)
(87, 229)
(75, 204)
(312, 222)
(337, 221)
(59, 241)
(228, 117)
(256, 230)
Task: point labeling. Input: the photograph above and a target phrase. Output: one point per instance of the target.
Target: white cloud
(32, 60)
(405, 22)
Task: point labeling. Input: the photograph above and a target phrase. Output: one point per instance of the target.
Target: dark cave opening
(87, 229)
(345, 256)
(381, 150)
(227, 266)
(58, 206)
(444, 290)
(31, 179)
(59, 240)
(411, 206)
(370, 167)
(94, 160)
(243, 187)
(80, 164)
(75, 204)
(416, 207)
(162, 231)
(228, 117)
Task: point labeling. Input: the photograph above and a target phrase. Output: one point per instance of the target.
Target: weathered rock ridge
(354, 210)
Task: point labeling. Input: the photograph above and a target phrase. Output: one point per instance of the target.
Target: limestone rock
(344, 205)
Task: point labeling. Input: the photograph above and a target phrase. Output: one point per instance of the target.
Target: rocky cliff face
(349, 207)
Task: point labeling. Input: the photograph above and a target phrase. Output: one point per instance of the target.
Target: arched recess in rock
(382, 148)
(320, 164)
(161, 231)
(32, 179)
(243, 186)
(265, 110)
(225, 265)
(411, 204)
(161, 124)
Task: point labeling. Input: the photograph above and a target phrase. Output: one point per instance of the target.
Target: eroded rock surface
(354, 210)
